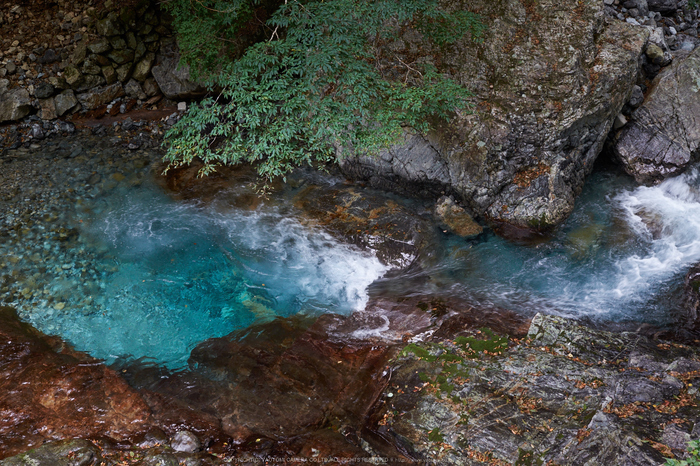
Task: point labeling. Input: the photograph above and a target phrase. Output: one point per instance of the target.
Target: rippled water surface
(620, 256)
(106, 259)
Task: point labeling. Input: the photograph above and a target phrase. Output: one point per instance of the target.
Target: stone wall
(68, 57)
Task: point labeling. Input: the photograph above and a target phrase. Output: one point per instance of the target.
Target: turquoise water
(123, 271)
(185, 272)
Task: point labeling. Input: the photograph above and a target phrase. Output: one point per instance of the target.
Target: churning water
(121, 270)
(621, 256)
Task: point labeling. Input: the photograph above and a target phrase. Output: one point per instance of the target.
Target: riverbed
(95, 249)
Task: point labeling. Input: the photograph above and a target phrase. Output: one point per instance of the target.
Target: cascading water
(179, 273)
(620, 256)
(120, 269)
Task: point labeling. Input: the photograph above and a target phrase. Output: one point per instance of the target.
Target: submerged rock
(369, 220)
(455, 218)
(72, 452)
(48, 391)
(663, 134)
(545, 101)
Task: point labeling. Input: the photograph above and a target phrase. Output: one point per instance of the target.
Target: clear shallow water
(184, 272)
(123, 271)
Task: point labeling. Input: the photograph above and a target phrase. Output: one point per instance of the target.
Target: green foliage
(420, 352)
(315, 79)
(436, 436)
(474, 347)
(693, 459)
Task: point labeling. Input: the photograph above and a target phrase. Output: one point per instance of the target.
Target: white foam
(291, 256)
(667, 217)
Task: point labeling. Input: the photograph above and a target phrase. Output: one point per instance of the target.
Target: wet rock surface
(691, 298)
(370, 220)
(564, 394)
(50, 392)
(663, 135)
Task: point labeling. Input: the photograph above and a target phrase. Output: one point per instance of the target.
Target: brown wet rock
(51, 392)
(278, 387)
(369, 220)
(277, 391)
(238, 183)
(455, 218)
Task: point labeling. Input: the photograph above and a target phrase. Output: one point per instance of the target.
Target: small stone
(65, 101)
(619, 122)
(11, 67)
(121, 57)
(58, 82)
(150, 87)
(79, 54)
(185, 441)
(90, 67)
(15, 105)
(118, 176)
(48, 109)
(182, 106)
(133, 90)
(37, 131)
(117, 43)
(72, 76)
(124, 72)
(100, 46)
(59, 306)
(131, 41)
(109, 74)
(44, 91)
(637, 97)
(655, 54)
(143, 67)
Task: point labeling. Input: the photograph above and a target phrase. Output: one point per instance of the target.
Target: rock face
(566, 395)
(174, 80)
(664, 133)
(49, 392)
(548, 80)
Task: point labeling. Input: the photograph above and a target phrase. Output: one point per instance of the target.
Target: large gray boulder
(15, 104)
(548, 81)
(664, 133)
(172, 78)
